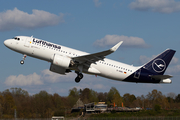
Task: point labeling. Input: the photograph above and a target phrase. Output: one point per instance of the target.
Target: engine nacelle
(61, 61)
(57, 69)
(60, 64)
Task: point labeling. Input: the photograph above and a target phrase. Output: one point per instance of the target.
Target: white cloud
(91, 85)
(60, 86)
(55, 83)
(46, 76)
(99, 86)
(52, 77)
(97, 3)
(134, 42)
(16, 19)
(161, 6)
(144, 59)
(22, 80)
(174, 61)
(173, 70)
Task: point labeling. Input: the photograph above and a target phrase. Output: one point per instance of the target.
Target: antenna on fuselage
(32, 36)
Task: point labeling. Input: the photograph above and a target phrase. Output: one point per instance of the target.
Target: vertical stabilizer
(159, 64)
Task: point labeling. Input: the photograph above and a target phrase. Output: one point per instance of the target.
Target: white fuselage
(45, 50)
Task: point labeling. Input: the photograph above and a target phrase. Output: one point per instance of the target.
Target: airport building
(100, 107)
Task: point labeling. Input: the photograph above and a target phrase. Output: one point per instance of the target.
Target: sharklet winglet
(114, 48)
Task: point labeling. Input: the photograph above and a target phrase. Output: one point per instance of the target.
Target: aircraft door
(27, 42)
(137, 74)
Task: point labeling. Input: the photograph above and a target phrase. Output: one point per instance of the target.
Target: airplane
(64, 60)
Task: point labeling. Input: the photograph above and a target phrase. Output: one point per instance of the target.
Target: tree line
(45, 105)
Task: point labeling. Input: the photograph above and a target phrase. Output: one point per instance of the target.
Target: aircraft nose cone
(7, 43)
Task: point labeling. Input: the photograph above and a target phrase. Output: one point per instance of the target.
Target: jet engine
(60, 64)
(61, 61)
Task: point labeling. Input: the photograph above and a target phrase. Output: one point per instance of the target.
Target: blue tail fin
(158, 65)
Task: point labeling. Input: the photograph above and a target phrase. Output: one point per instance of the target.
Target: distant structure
(78, 106)
(57, 118)
(95, 107)
(101, 107)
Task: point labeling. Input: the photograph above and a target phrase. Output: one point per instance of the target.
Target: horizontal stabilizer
(160, 77)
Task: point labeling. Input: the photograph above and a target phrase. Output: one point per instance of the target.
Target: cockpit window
(16, 38)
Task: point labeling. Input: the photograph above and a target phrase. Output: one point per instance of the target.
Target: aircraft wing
(91, 58)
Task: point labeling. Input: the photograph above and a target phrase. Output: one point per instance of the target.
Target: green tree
(111, 93)
(156, 97)
(114, 97)
(43, 104)
(93, 96)
(102, 96)
(157, 107)
(177, 99)
(23, 105)
(128, 99)
(74, 92)
(9, 104)
(88, 96)
(85, 95)
(1, 105)
(56, 99)
(117, 99)
(56, 109)
(19, 92)
(73, 96)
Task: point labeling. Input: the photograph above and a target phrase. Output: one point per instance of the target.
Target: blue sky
(146, 27)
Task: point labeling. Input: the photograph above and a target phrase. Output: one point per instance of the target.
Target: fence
(109, 118)
(127, 118)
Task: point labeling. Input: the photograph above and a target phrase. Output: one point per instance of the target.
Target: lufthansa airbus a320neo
(64, 60)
